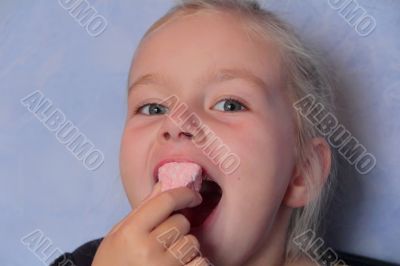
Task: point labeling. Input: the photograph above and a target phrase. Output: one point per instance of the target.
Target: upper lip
(205, 170)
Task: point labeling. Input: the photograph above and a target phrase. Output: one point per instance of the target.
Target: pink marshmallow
(174, 174)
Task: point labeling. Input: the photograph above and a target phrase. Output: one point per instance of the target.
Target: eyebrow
(211, 77)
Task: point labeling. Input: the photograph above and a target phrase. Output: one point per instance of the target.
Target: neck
(272, 250)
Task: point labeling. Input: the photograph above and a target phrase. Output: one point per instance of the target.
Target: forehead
(205, 42)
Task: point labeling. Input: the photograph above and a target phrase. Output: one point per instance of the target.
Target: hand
(151, 236)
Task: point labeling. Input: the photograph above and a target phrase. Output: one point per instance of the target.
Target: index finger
(156, 190)
(160, 207)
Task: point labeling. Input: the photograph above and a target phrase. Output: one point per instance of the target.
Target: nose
(167, 135)
(170, 131)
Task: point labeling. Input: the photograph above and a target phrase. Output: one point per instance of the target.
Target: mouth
(211, 193)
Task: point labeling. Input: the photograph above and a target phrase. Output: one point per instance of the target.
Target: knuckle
(145, 252)
(186, 245)
(166, 237)
(168, 198)
(193, 240)
(182, 220)
(200, 261)
(126, 233)
(191, 249)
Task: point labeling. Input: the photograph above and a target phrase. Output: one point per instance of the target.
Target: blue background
(43, 186)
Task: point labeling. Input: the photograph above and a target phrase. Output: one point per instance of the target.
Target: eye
(151, 109)
(229, 105)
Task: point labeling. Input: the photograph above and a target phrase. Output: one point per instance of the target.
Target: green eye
(152, 109)
(229, 105)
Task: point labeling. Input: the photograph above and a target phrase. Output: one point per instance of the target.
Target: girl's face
(204, 59)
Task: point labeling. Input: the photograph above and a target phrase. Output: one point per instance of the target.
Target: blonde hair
(305, 75)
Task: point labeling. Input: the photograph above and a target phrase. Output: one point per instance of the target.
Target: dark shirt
(82, 256)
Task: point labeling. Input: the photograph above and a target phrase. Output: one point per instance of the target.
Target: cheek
(266, 148)
(256, 192)
(267, 162)
(133, 169)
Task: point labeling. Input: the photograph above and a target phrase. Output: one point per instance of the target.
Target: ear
(310, 174)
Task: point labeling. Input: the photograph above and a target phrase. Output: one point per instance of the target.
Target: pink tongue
(173, 175)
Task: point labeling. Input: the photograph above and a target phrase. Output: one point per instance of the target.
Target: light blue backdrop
(47, 193)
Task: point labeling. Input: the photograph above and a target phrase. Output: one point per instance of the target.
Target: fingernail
(197, 200)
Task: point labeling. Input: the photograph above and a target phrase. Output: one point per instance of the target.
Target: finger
(155, 191)
(174, 227)
(199, 261)
(184, 250)
(161, 206)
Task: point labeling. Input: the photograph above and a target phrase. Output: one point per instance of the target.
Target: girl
(239, 70)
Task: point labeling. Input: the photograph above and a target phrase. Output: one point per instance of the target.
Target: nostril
(187, 134)
(166, 135)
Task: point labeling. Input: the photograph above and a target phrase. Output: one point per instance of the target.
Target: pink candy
(173, 175)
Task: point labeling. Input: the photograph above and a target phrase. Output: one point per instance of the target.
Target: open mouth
(211, 193)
